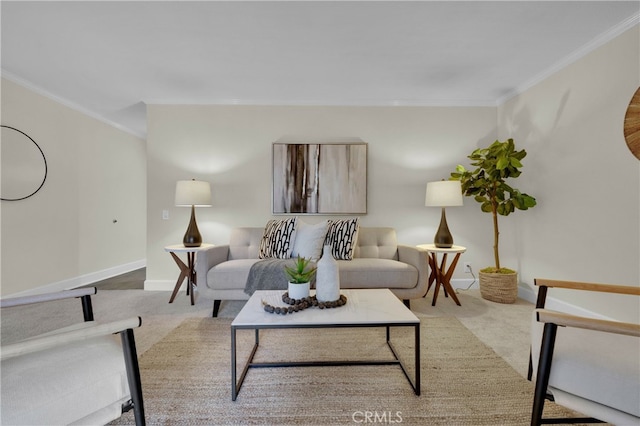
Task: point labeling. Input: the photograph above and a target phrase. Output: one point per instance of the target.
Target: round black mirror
(24, 166)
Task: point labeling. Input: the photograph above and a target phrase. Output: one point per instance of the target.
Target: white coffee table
(364, 308)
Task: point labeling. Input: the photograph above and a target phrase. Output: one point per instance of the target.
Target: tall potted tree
(487, 185)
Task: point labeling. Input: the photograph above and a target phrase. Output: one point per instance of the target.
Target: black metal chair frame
(547, 346)
(136, 403)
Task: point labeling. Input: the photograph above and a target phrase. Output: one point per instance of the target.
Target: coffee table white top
(363, 307)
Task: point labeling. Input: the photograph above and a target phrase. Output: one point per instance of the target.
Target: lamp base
(192, 237)
(443, 238)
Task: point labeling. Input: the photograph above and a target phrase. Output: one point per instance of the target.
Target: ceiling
(110, 59)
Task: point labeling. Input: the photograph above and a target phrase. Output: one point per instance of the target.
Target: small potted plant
(487, 185)
(300, 276)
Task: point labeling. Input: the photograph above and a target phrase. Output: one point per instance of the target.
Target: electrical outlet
(467, 267)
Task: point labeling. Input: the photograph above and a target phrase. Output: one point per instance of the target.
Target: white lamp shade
(443, 193)
(193, 193)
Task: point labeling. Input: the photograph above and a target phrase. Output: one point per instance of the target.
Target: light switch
(165, 214)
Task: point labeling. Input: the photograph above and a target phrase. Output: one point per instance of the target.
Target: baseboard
(528, 294)
(84, 280)
(524, 292)
(464, 283)
(168, 285)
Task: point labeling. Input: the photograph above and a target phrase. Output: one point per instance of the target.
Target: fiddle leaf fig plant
(487, 184)
(300, 272)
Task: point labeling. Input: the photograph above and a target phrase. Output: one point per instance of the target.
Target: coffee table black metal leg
(234, 390)
(416, 383)
(236, 385)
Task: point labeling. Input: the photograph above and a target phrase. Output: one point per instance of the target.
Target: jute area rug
(186, 379)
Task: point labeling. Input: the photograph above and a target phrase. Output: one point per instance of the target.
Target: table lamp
(193, 193)
(444, 193)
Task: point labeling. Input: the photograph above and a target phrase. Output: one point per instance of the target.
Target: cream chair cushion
(590, 366)
(58, 386)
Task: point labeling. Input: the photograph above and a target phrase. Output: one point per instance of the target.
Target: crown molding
(66, 102)
(321, 103)
(573, 57)
(602, 39)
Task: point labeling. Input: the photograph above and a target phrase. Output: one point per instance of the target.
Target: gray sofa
(378, 262)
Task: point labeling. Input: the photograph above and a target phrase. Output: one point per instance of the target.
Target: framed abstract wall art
(323, 178)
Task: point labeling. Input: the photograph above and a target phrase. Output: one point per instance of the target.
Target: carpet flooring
(186, 379)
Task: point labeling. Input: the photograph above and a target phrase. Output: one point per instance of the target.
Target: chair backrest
(589, 365)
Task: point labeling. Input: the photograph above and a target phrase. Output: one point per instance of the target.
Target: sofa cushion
(407, 282)
(309, 239)
(231, 274)
(380, 243)
(277, 240)
(244, 243)
(52, 389)
(342, 236)
(376, 273)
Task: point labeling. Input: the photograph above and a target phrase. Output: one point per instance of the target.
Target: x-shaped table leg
(186, 271)
(442, 276)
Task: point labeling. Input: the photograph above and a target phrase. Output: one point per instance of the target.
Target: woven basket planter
(501, 288)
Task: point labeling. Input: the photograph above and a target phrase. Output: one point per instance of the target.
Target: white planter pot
(298, 291)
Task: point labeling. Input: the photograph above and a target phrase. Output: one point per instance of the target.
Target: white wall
(64, 235)
(586, 225)
(587, 183)
(230, 146)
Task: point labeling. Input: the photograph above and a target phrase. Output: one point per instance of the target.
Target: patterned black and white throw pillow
(277, 240)
(342, 237)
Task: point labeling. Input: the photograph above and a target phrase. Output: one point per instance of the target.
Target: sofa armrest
(418, 259)
(208, 258)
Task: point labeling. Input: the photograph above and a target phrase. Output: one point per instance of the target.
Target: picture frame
(319, 178)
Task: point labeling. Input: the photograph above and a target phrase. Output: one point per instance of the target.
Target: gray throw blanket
(268, 274)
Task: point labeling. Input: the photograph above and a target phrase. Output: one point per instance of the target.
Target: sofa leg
(407, 303)
(216, 308)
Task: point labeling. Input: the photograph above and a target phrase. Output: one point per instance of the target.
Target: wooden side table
(186, 271)
(439, 273)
